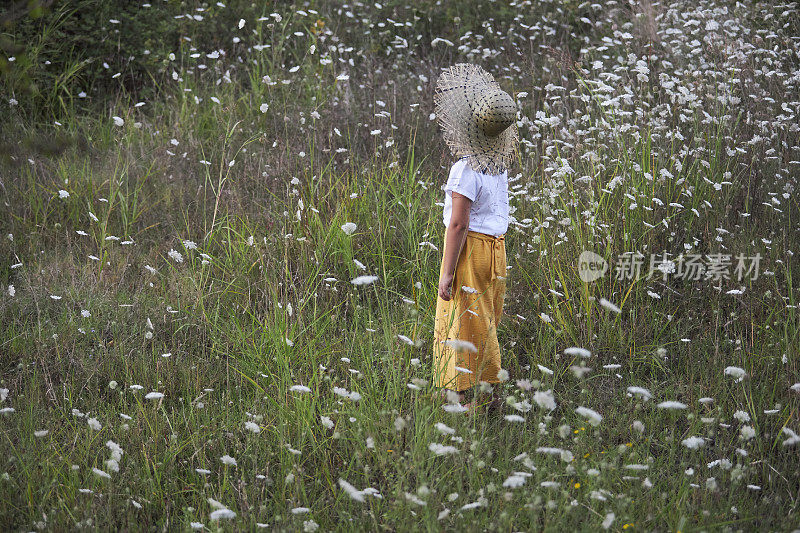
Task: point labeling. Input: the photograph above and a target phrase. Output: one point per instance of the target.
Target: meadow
(220, 238)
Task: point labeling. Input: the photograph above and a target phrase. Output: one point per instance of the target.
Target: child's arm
(456, 234)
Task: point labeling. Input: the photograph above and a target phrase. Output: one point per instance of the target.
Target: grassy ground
(181, 345)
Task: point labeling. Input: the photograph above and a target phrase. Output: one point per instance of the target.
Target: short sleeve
(462, 180)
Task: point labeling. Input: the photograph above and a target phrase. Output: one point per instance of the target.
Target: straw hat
(478, 119)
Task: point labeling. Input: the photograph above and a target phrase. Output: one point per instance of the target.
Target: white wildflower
(364, 280)
(579, 370)
(610, 306)
(472, 505)
(344, 393)
(545, 399)
(441, 449)
(175, 255)
(460, 345)
(577, 352)
(443, 428)
(735, 372)
(101, 473)
(641, 392)
(693, 443)
(222, 513)
(406, 340)
(793, 439)
(671, 405)
(514, 481)
(549, 450)
(593, 416)
(351, 491)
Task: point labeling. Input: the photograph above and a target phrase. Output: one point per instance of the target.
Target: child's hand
(444, 286)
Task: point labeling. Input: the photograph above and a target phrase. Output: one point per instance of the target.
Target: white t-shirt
(489, 194)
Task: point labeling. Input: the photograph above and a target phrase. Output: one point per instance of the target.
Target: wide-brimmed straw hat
(478, 118)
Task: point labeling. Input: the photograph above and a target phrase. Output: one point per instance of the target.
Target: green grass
(263, 301)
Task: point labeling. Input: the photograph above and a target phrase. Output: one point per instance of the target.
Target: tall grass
(198, 251)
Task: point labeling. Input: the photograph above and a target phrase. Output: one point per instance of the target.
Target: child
(478, 121)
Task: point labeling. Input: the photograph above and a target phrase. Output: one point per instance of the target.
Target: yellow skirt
(471, 315)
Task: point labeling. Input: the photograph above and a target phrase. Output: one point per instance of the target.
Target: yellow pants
(471, 315)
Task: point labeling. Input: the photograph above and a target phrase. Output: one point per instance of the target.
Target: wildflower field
(220, 238)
